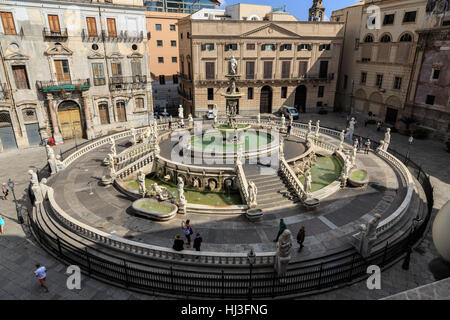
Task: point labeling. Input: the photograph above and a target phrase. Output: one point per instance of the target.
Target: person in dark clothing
(178, 244)
(282, 227)
(187, 231)
(197, 242)
(301, 237)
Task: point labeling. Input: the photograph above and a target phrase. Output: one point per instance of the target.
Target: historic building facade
(162, 28)
(72, 69)
(281, 61)
(379, 56)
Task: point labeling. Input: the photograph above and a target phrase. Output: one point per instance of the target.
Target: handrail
(243, 183)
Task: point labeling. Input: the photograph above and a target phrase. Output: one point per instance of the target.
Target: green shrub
(323, 111)
(420, 133)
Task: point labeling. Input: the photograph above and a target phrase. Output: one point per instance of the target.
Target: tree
(408, 121)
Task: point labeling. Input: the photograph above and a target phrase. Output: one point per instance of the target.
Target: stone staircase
(273, 194)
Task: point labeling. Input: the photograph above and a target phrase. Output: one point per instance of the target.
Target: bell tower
(317, 11)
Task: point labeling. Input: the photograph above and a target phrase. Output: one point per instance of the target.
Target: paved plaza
(106, 208)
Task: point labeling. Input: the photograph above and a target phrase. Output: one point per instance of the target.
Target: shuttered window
(92, 27)
(116, 69)
(111, 25)
(250, 70)
(8, 23)
(323, 71)
(53, 23)
(62, 70)
(139, 103)
(285, 69)
(104, 113)
(136, 69)
(268, 69)
(20, 77)
(302, 67)
(209, 67)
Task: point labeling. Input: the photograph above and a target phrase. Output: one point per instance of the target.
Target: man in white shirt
(411, 139)
(41, 275)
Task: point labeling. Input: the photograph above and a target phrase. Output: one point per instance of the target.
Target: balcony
(63, 85)
(184, 77)
(285, 79)
(99, 81)
(118, 83)
(55, 35)
(86, 36)
(4, 95)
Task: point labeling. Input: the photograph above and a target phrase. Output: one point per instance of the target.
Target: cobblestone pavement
(19, 254)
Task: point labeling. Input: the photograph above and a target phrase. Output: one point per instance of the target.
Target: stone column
(54, 119)
(87, 114)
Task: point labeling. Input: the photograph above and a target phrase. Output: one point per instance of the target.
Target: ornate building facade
(281, 61)
(72, 69)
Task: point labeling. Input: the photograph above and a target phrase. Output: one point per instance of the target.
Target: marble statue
(252, 192)
(141, 183)
(59, 164)
(317, 128)
(181, 114)
(281, 147)
(44, 188)
(258, 118)
(52, 163)
(160, 192)
(181, 199)
(233, 65)
(381, 146)
(283, 254)
(352, 124)
(309, 126)
(283, 122)
(110, 159)
(212, 185)
(112, 169)
(113, 146)
(308, 179)
(387, 139)
(367, 236)
(196, 183)
(133, 136)
(353, 155)
(341, 140)
(34, 177)
(35, 187)
(190, 120)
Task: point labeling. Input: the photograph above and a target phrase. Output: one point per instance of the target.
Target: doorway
(300, 98)
(265, 105)
(391, 116)
(70, 120)
(6, 131)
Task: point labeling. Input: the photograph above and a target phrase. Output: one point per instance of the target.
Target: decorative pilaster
(87, 114)
(54, 119)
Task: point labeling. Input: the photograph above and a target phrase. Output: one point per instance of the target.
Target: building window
(345, 81)
(20, 77)
(91, 27)
(250, 93)
(99, 75)
(136, 69)
(406, 38)
(302, 67)
(173, 43)
(231, 47)
(53, 23)
(207, 46)
(356, 43)
(323, 71)
(175, 79)
(172, 27)
(435, 74)
(283, 92)
(251, 46)
(210, 70)
(430, 100)
(368, 39)
(388, 19)
(304, 46)
(379, 81)
(62, 70)
(104, 113)
(410, 16)
(210, 93)
(325, 46)
(159, 43)
(116, 69)
(319, 103)
(285, 69)
(268, 69)
(268, 47)
(385, 38)
(174, 59)
(286, 47)
(158, 27)
(160, 59)
(162, 79)
(250, 70)
(181, 35)
(139, 103)
(397, 83)
(363, 77)
(121, 111)
(8, 23)
(111, 25)
(320, 92)
(188, 35)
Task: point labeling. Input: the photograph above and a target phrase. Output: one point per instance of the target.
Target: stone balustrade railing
(130, 169)
(292, 180)
(243, 184)
(387, 223)
(151, 251)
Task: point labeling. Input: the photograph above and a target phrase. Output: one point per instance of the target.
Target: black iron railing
(61, 33)
(348, 267)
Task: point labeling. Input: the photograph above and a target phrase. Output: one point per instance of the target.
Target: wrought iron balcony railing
(63, 85)
(99, 81)
(127, 82)
(60, 34)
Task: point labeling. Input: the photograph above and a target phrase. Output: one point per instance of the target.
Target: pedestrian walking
(2, 225)
(197, 242)
(40, 273)
(367, 146)
(178, 244)
(355, 143)
(186, 226)
(410, 140)
(361, 144)
(5, 191)
(378, 125)
(289, 129)
(282, 227)
(301, 237)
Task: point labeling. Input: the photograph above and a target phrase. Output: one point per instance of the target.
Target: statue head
(44, 180)
(30, 172)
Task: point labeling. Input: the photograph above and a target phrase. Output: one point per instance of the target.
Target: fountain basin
(358, 178)
(107, 180)
(154, 209)
(254, 215)
(239, 127)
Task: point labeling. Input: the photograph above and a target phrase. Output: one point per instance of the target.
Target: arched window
(368, 38)
(121, 111)
(406, 38)
(103, 112)
(385, 38)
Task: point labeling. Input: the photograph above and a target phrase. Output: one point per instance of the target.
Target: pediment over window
(115, 55)
(95, 55)
(270, 30)
(16, 56)
(135, 55)
(58, 49)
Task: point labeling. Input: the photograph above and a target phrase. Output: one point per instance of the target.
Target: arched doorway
(300, 98)
(265, 105)
(6, 131)
(121, 111)
(70, 120)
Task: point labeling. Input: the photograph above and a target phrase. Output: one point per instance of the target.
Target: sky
(298, 8)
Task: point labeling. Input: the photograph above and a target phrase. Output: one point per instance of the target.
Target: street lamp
(251, 258)
(19, 214)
